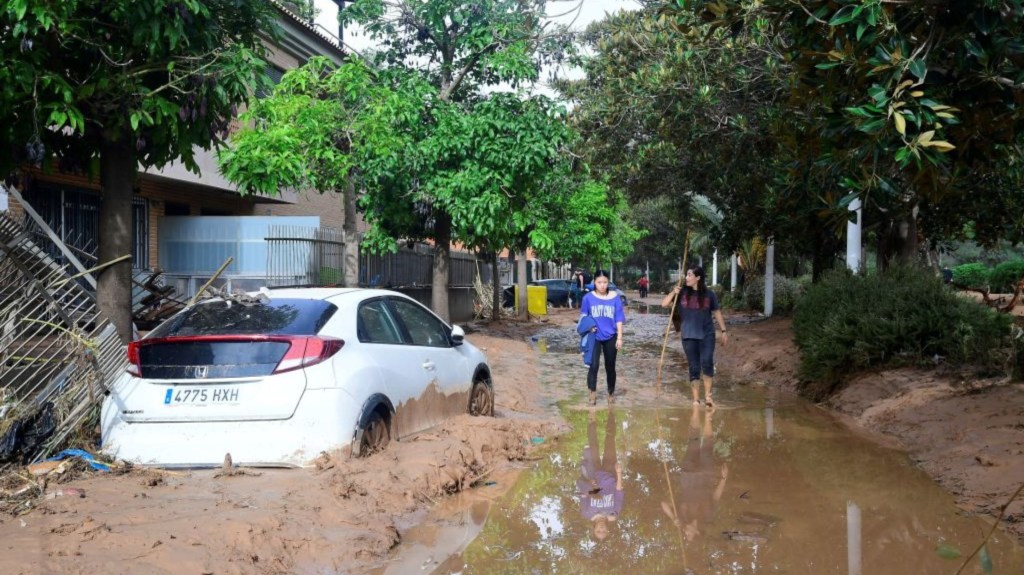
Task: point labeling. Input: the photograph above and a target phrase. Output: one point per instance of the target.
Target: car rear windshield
(279, 317)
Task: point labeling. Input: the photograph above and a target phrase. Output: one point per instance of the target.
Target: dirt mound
(342, 517)
(967, 434)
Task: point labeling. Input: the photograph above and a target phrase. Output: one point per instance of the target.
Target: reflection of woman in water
(701, 484)
(600, 484)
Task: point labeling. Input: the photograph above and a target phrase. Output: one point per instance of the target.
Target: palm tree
(706, 220)
(752, 254)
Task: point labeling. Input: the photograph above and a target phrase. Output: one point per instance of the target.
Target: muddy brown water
(763, 483)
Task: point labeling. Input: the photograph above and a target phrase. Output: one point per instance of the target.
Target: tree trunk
(351, 254)
(524, 313)
(823, 254)
(496, 297)
(885, 246)
(442, 261)
(114, 284)
(908, 237)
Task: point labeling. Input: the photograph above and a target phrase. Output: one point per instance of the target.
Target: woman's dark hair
(702, 286)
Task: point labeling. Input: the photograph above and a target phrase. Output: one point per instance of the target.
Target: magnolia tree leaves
(909, 105)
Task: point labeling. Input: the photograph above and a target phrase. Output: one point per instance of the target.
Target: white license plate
(201, 395)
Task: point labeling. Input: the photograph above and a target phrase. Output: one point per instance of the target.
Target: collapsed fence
(58, 354)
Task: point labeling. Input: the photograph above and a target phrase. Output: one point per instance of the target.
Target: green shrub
(331, 276)
(974, 275)
(731, 300)
(719, 291)
(787, 292)
(1004, 278)
(848, 322)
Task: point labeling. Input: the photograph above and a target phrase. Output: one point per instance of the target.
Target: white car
(276, 383)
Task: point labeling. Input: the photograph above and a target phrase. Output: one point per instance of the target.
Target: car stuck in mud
(277, 378)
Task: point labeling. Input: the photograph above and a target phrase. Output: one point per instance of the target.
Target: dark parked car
(558, 291)
(612, 287)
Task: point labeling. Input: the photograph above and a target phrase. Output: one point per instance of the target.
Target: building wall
(157, 192)
(281, 59)
(329, 206)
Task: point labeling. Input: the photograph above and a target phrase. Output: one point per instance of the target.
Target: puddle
(743, 490)
(763, 483)
(435, 543)
(644, 309)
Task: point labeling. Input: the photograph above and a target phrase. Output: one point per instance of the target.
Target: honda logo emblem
(199, 371)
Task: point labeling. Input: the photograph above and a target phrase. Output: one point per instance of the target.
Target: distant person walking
(643, 284)
(605, 308)
(697, 306)
(576, 288)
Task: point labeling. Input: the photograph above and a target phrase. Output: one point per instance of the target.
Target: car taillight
(306, 351)
(134, 363)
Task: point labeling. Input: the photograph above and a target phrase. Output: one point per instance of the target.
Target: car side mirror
(458, 336)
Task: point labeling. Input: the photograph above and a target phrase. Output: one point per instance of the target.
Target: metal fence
(413, 267)
(57, 353)
(299, 255)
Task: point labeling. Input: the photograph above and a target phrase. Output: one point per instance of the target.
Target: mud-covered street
(477, 493)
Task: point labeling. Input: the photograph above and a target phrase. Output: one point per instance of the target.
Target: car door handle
(428, 365)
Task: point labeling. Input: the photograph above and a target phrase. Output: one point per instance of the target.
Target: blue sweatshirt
(606, 313)
(585, 328)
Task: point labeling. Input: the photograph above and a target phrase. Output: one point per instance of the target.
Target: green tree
(329, 128)
(911, 107)
(697, 118)
(307, 135)
(127, 83)
(441, 55)
(590, 226)
(662, 247)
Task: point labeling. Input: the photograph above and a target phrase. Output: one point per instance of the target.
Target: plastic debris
(88, 457)
(537, 440)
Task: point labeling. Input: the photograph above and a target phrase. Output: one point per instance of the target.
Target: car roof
(311, 293)
(332, 293)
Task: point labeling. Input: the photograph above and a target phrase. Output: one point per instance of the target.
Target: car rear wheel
(481, 399)
(374, 435)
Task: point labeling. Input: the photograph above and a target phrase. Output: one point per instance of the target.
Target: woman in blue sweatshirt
(606, 310)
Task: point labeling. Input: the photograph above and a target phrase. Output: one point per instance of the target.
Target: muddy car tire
(374, 435)
(481, 399)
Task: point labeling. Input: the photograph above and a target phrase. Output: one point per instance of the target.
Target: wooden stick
(226, 263)
(672, 308)
(90, 270)
(999, 518)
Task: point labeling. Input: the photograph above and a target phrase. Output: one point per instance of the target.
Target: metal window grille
(74, 215)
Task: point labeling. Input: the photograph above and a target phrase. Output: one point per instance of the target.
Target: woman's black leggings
(607, 349)
(700, 354)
